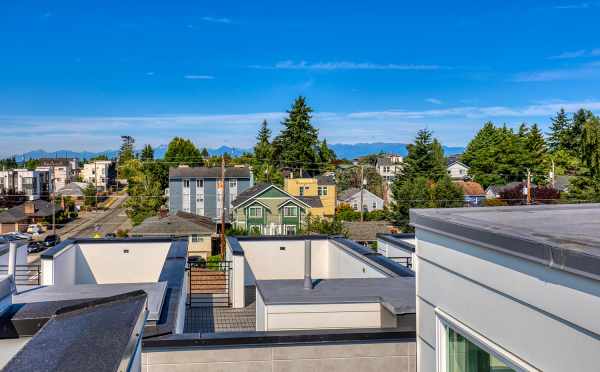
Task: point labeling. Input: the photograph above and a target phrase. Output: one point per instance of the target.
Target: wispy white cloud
(453, 125)
(434, 101)
(345, 65)
(217, 20)
(595, 52)
(150, 73)
(584, 71)
(570, 55)
(199, 77)
(47, 15)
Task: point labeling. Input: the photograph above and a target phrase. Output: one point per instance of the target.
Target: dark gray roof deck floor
(396, 294)
(223, 319)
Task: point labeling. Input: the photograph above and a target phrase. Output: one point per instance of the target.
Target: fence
(24, 274)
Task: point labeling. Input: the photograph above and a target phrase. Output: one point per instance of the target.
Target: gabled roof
(179, 224)
(325, 180)
(451, 163)
(349, 193)
(257, 190)
(74, 189)
(15, 214)
(209, 172)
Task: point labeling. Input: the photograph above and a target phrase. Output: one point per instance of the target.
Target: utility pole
(528, 187)
(362, 186)
(53, 215)
(553, 176)
(222, 206)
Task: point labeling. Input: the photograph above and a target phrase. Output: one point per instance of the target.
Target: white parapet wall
(104, 263)
(530, 314)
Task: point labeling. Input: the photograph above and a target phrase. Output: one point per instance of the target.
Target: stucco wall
(343, 264)
(266, 260)
(334, 357)
(545, 317)
(109, 263)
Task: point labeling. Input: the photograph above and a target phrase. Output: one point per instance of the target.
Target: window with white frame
(290, 211)
(301, 190)
(255, 212)
(461, 349)
(374, 205)
(355, 206)
(322, 190)
(199, 184)
(186, 184)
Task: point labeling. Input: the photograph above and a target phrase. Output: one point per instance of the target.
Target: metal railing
(405, 261)
(209, 283)
(24, 274)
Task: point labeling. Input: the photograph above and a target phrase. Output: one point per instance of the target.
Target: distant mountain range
(343, 151)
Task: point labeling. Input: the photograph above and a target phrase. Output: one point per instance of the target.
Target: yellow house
(321, 186)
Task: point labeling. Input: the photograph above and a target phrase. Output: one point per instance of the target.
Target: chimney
(29, 207)
(308, 283)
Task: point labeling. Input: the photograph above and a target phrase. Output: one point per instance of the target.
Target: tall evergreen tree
(204, 152)
(263, 150)
(559, 131)
(147, 153)
(425, 157)
(590, 146)
(296, 146)
(126, 152)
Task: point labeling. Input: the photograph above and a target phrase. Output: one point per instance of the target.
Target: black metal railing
(405, 261)
(24, 274)
(209, 283)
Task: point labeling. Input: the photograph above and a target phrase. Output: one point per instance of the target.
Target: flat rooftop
(155, 291)
(566, 237)
(396, 294)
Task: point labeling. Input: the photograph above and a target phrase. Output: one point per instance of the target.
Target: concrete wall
(321, 316)
(547, 318)
(343, 264)
(120, 262)
(61, 269)
(21, 254)
(97, 263)
(266, 260)
(334, 357)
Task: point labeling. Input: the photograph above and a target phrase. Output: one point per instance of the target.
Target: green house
(268, 210)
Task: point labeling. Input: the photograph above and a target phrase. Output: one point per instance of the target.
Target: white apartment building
(60, 169)
(388, 166)
(31, 183)
(99, 173)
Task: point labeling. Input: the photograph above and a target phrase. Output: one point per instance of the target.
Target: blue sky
(77, 75)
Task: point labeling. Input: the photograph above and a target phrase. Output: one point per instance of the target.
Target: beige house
(198, 229)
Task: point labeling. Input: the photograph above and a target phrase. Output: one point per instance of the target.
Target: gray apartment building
(196, 189)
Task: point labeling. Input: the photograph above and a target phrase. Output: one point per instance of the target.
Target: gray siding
(368, 199)
(210, 194)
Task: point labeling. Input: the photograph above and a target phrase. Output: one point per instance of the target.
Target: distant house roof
(325, 180)
(209, 172)
(383, 161)
(42, 209)
(257, 189)
(470, 188)
(451, 159)
(311, 201)
(366, 231)
(179, 224)
(349, 193)
(249, 193)
(497, 189)
(61, 162)
(74, 189)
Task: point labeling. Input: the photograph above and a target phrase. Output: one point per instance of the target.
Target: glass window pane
(464, 356)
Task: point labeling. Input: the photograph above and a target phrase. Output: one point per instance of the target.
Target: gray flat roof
(155, 291)
(565, 237)
(396, 294)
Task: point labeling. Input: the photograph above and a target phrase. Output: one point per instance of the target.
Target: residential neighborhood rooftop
(565, 237)
(40, 208)
(209, 172)
(178, 224)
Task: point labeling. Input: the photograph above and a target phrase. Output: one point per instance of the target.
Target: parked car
(35, 247)
(35, 229)
(51, 240)
(110, 235)
(20, 235)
